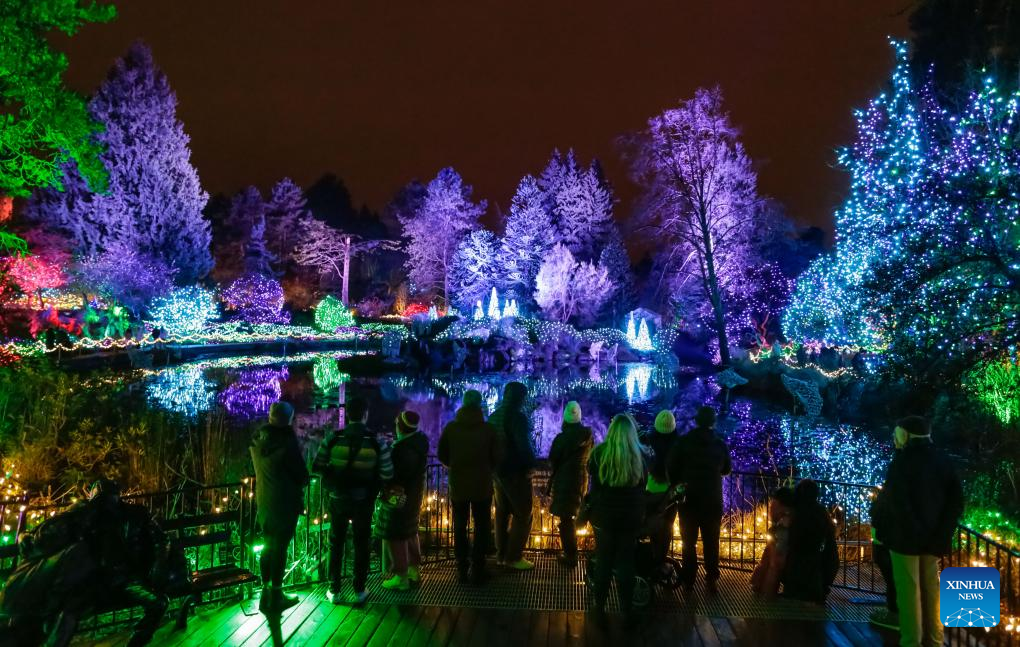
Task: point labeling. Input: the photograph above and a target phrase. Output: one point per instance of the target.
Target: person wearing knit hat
(658, 446)
(471, 450)
(397, 523)
(699, 460)
(568, 457)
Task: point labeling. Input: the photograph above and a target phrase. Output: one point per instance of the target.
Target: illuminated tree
(566, 288)
(526, 239)
(331, 314)
(184, 311)
(474, 271)
(435, 227)
(584, 213)
(43, 125)
(286, 209)
(125, 276)
(154, 202)
(256, 299)
(700, 199)
(330, 250)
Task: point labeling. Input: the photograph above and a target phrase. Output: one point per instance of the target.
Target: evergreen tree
(434, 228)
(154, 202)
(474, 271)
(616, 262)
(584, 213)
(286, 209)
(247, 227)
(526, 239)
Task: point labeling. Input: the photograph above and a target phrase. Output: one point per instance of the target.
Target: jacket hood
(470, 413)
(514, 395)
(271, 438)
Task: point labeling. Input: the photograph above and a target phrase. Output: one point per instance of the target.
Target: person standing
(513, 478)
(617, 500)
(813, 558)
(915, 515)
(699, 460)
(659, 445)
(398, 524)
(353, 463)
(280, 480)
(568, 458)
(470, 449)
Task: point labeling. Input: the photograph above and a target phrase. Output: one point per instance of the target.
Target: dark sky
(380, 92)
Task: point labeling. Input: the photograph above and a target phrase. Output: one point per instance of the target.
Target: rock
(804, 392)
(729, 378)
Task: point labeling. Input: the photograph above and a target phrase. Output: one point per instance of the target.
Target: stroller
(651, 574)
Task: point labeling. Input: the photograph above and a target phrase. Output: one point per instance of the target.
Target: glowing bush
(184, 311)
(256, 299)
(996, 385)
(331, 314)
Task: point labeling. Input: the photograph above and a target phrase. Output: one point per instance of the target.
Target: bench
(201, 531)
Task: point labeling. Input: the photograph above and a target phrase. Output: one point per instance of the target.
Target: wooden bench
(211, 531)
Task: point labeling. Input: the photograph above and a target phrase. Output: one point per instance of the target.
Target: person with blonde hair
(617, 509)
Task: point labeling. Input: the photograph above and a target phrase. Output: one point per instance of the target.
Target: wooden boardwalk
(315, 621)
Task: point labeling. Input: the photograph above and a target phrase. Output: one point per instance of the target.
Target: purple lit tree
(567, 289)
(584, 213)
(125, 276)
(154, 202)
(700, 198)
(433, 230)
(247, 223)
(256, 298)
(616, 262)
(474, 271)
(525, 240)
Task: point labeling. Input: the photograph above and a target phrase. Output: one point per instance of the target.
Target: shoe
(397, 583)
(567, 562)
(334, 597)
(266, 606)
(414, 576)
(522, 565)
(886, 619)
(359, 598)
(284, 602)
(712, 588)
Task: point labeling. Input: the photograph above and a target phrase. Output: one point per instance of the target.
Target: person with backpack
(280, 479)
(397, 523)
(470, 448)
(568, 458)
(354, 463)
(513, 478)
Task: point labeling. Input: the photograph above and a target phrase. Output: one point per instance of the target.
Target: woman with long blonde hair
(617, 509)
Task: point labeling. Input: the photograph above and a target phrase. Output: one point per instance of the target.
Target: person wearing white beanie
(569, 459)
(658, 444)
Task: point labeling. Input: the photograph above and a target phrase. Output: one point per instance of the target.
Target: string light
(331, 314)
(184, 311)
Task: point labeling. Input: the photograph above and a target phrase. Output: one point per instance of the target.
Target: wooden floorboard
(408, 620)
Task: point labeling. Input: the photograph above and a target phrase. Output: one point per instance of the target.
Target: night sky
(383, 92)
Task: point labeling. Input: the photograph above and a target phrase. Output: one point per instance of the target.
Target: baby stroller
(651, 573)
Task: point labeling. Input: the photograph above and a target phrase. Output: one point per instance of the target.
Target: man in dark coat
(659, 444)
(513, 477)
(354, 464)
(915, 516)
(470, 448)
(280, 480)
(568, 458)
(699, 460)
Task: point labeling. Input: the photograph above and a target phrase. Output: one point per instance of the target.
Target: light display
(253, 391)
(186, 391)
(184, 311)
(996, 384)
(331, 314)
(256, 299)
(638, 339)
(926, 252)
(494, 310)
(479, 314)
(326, 373)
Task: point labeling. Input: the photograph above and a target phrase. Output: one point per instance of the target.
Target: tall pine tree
(286, 208)
(526, 239)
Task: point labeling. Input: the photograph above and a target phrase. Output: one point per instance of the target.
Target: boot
(266, 606)
(282, 602)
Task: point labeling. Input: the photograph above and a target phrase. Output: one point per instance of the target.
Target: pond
(762, 435)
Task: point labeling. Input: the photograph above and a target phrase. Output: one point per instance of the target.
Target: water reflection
(761, 436)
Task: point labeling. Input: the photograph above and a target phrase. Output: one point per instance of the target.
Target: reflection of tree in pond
(184, 390)
(326, 373)
(253, 391)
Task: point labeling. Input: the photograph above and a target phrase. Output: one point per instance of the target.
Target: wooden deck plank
(290, 618)
(348, 626)
(320, 634)
(368, 626)
(724, 631)
(557, 629)
(835, 636)
(575, 628)
(443, 632)
(538, 634)
(387, 626)
(466, 620)
(200, 627)
(423, 630)
(706, 632)
(408, 620)
(859, 634)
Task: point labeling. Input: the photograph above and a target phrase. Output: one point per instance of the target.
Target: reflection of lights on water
(637, 378)
(254, 391)
(326, 373)
(182, 390)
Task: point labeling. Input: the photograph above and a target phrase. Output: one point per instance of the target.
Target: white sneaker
(334, 598)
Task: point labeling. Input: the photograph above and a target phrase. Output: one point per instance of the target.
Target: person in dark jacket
(280, 480)
(353, 463)
(568, 458)
(513, 477)
(915, 515)
(659, 444)
(471, 451)
(698, 461)
(617, 500)
(812, 558)
(398, 524)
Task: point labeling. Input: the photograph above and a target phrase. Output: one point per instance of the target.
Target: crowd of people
(629, 486)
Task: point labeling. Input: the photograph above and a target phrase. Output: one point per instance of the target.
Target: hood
(514, 395)
(270, 439)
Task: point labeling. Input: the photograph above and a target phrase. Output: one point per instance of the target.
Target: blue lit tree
(525, 239)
